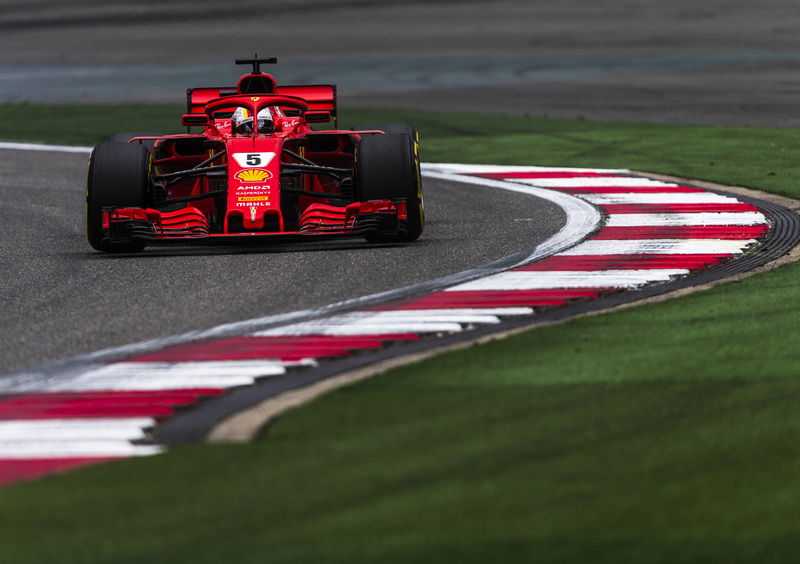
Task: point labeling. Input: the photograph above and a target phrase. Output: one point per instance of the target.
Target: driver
(242, 121)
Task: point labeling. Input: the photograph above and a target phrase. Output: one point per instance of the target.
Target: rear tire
(387, 168)
(119, 176)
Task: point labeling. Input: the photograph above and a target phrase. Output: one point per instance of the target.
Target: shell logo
(253, 175)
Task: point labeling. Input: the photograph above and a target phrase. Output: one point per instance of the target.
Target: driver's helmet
(242, 121)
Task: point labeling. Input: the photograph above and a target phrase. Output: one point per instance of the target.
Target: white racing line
(96, 407)
(42, 147)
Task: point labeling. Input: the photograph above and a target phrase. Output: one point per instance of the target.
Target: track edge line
(247, 424)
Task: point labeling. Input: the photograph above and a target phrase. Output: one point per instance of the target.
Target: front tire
(126, 136)
(119, 176)
(387, 168)
(391, 127)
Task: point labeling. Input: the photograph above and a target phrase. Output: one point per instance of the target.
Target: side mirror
(317, 117)
(190, 120)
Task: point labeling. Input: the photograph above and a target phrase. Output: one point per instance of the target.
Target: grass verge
(749, 156)
(664, 433)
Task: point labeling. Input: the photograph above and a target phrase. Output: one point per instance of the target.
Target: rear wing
(320, 97)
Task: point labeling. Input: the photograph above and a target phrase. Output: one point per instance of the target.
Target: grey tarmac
(716, 61)
(60, 298)
(726, 62)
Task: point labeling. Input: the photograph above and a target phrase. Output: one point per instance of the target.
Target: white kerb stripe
(659, 246)
(478, 169)
(532, 280)
(75, 429)
(211, 368)
(685, 219)
(419, 316)
(141, 376)
(73, 449)
(600, 181)
(148, 384)
(400, 321)
(495, 311)
(659, 198)
(165, 375)
(312, 328)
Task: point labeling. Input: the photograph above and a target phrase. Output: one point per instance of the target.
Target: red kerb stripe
(16, 470)
(283, 348)
(60, 405)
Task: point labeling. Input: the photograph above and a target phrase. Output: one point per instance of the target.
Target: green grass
(84, 124)
(663, 433)
(751, 156)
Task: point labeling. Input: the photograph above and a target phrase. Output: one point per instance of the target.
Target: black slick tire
(387, 168)
(119, 176)
(391, 127)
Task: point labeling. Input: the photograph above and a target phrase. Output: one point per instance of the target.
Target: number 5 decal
(252, 160)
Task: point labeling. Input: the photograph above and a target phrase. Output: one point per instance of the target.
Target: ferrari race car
(257, 172)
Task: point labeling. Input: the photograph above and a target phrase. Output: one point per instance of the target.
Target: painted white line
(533, 280)
(73, 449)
(111, 437)
(685, 219)
(42, 147)
(659, 198)
(582, 217)
(600, 181)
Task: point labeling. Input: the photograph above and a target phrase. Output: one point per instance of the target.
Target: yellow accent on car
(253, 175)
(253, 199)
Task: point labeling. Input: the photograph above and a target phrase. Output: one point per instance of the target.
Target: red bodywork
(288, 183)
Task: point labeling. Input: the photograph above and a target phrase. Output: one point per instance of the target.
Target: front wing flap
(190, 224)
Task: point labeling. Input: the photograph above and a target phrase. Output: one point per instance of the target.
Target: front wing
(190, 224)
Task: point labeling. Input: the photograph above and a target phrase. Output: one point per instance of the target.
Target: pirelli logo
(253, 199)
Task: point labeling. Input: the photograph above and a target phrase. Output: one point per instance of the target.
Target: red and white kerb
(652, 232)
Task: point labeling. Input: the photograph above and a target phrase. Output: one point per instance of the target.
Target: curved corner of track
(627, 237)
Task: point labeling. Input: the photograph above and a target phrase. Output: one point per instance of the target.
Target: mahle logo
(253, 175)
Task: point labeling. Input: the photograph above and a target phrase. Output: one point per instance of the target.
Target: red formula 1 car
(257, 172)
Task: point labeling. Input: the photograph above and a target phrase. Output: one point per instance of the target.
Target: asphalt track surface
(61, 298)
(726, 62)
(715, 62)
